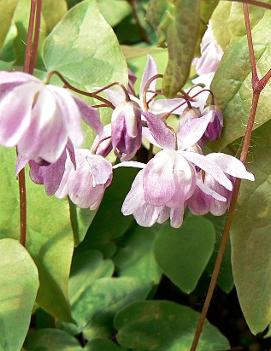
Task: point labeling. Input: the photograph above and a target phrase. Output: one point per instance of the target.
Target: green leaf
(109, 223)
(106, 296)
(232, 83)
(84, 48)
(164, 326)
(81, 219)
(207, 8)
(183, 253)
(51, 340)
(53, 11)
(7, 8)
(19, 286)
(114, 11)
(86, 269)
(250, 237)
(182, 31)
(228, 21)
(135, 256)
(5, 66)
(102, 345)
(49, 236)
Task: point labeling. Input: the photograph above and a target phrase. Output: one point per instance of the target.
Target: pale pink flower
(40, 119)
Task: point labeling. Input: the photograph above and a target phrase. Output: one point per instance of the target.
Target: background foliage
(98, 287)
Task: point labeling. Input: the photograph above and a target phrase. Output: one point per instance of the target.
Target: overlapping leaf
(152, 326)
(232, 83)
(251, 239)
(84, 48)
(19, 286)
(49, 236)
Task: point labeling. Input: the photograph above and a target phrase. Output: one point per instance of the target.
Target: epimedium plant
(130, 172)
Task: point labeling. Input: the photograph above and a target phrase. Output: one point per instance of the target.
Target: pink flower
(84, 184)
(207, 64)
(165, 185)
(102, 144)
(126, 129)
(196, 127)
(40, 119)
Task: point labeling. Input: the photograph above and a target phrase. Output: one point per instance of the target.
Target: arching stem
(29, 64)
(257, 87)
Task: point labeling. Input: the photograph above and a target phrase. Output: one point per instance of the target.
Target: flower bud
(126, 129)
(214, 128)
(102, 144)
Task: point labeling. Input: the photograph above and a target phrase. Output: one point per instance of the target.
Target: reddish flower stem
(35, 45)
(257, 87)
(29, 64)
(255, 3)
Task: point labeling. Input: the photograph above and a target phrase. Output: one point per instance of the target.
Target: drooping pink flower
(170, 179)
(83, 179)
(207, 64)
(214, 128)
(126, 129)
(102, 144)
(40, 119)
(196, 127)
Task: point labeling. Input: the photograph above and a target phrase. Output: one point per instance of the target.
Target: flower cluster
(44, 122)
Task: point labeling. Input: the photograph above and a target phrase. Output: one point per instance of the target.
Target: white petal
(159, 178)
(192, 130)
(147, 215)
(15, 113)
(135, 197)
(69, 114)
(150, 71)
(231, 165)
(209, 167)
(163, 106)
(176, 217)
(46, 137)
(205, 189)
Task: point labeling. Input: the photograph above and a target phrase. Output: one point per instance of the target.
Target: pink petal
(163, 215)
(15, 113)
(81, 190)
(159, 178)
(46, 137)
(147, 215)
(192, 130)
(185, 183)
(10, 80)
(208, 191)
(69, 113)
(163, 106)
(115, 95)
(160, 131)
(198, 203)
(209, 167)
(176, 217)
(231, 165)
(90, 115)
(150, 71)
(135, 197)
(21, 163)
(100, 168)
